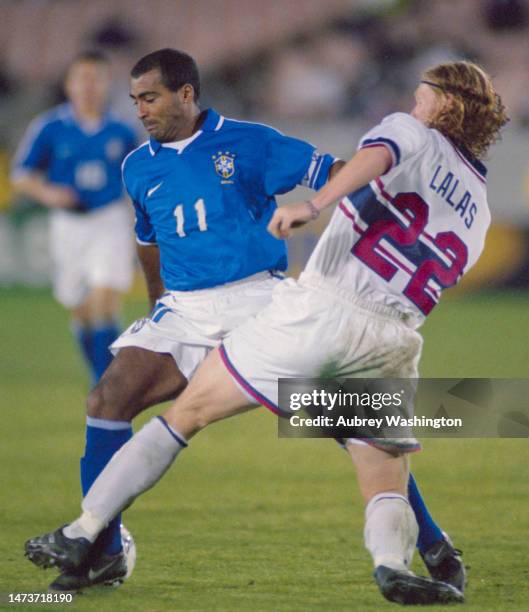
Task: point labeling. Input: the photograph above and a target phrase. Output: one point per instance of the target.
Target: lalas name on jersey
(446, 184)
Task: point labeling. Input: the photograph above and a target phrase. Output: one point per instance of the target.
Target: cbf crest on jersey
(224, 165)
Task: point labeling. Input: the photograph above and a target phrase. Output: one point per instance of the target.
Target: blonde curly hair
(476, 114)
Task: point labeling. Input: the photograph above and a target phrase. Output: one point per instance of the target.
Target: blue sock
(103, 439)
(429, 531)
(102, 337)
(83, 335)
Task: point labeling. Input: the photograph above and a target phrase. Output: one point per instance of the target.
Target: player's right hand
(286, 218)
(59, 196)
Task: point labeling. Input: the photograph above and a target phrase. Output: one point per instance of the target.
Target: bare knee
(201, 418)
(379, 471)
(206, 400)
(136, 379)
(101, 304)
(103, 402)
(189, 415)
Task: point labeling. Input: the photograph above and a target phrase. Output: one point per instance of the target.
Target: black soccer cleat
(404, 587)
(56, 550)
(105, 570)
(444, 563)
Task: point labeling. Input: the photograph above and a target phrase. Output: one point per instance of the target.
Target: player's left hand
(286, 218)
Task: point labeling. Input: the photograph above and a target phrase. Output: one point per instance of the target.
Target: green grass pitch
(246, 521)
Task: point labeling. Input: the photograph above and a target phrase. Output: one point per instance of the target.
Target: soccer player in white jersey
(70, 161)
(411, 221)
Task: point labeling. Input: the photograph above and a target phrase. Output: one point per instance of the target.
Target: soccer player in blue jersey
(69, 161)
(203, 187)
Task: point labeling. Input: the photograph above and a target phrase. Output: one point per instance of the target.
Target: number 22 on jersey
(415, 210)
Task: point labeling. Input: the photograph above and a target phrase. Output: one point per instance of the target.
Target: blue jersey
(87, 159)
(206, 201)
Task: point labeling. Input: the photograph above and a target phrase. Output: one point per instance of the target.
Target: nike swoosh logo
(95, 574)
(153, 189)
(436, 555)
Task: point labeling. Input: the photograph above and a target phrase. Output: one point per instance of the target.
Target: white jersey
(412, 232)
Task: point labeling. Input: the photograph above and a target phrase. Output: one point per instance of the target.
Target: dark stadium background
(247, 521)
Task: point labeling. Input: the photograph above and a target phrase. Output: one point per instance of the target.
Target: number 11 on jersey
(200, 208)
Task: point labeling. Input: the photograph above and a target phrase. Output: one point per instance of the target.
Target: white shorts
(94, 249)
(312, 327)
(188, 324)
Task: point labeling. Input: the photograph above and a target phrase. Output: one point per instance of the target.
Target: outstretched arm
(42, 191)
(366, 165)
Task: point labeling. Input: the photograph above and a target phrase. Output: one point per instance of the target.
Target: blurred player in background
(70, 161)
(412, 223)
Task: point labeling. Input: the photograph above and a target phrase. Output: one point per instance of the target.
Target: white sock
(391, 530)
(135, 468)
(86, 526)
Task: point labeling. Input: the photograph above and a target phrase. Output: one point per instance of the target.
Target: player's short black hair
(176, 68)
(91, 55)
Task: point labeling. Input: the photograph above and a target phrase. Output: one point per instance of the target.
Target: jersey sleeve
(35, 149)
(145, 233)
(290, 162)
(400, 133)
(144, 230)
